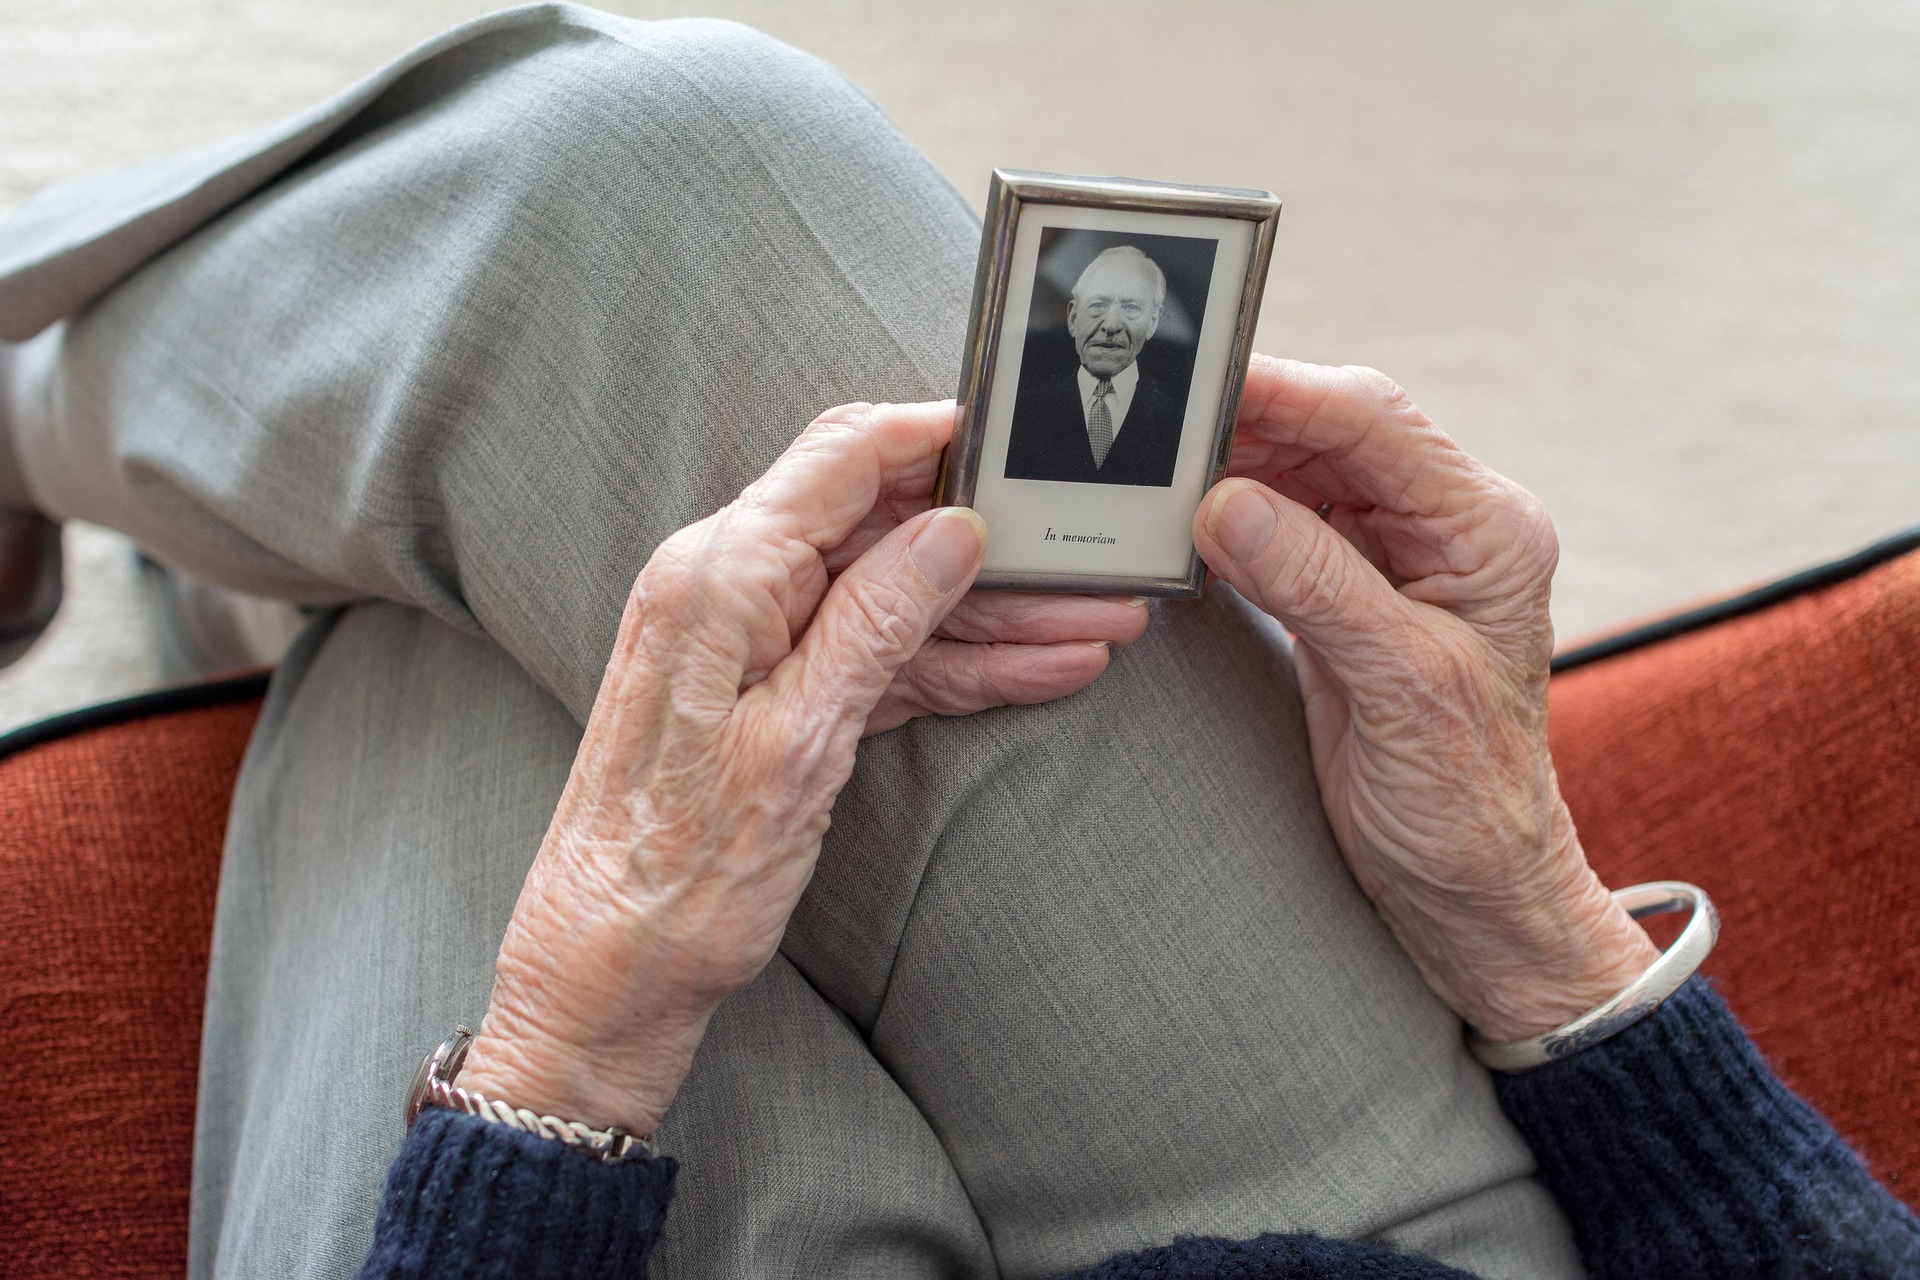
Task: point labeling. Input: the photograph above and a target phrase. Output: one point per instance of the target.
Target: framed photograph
(1112, 321)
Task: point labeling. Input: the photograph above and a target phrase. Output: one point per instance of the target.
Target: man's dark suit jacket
(1048, 440)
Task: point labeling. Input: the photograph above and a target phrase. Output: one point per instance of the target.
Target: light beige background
(1657, 259)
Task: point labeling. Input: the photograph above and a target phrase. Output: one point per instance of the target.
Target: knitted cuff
(1674, 1150)
(472, 1199)
(1269, 1257)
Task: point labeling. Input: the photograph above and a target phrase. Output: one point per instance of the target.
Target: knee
(712, 61)
(678, 86)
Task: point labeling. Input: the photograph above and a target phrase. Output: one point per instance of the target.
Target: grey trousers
(450, 358)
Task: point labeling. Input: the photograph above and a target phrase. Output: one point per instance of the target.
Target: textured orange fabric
(1775, 761)
(109, 854)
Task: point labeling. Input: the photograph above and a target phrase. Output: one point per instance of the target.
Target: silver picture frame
(1010, 194)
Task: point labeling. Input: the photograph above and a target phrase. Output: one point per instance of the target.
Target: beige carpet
(1656, 260)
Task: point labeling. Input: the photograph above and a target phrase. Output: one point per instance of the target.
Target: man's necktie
(1100, 423)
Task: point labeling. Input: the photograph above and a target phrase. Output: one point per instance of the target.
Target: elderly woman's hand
(1419, 606)
(757, 647)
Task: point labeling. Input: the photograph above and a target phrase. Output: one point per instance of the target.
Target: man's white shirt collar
(1124, 384)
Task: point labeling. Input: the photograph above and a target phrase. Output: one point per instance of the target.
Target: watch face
(417, 1096)
(444, 1062)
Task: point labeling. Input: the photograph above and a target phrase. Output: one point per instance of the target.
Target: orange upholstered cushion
(1775, 761)
(109, 854)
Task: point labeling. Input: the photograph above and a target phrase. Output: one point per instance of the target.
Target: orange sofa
(1766, 747)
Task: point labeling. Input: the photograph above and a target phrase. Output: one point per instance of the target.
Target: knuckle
(680, 567)
(973, 621)
(1368, 384)
(714, 572)
(828, 440)
(884, 632)
(959, 679)
(989, 679)
(669, 578)
(1523, 547)
(935, 679)
(1308, 575)
(1533, 523)
(857, 416)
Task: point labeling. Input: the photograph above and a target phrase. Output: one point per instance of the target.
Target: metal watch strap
(1644, 995)
(433, 1086)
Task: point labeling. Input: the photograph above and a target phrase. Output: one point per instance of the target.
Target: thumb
(881, 609)
(1293, 565)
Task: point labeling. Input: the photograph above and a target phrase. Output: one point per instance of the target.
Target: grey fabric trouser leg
(1069, 979)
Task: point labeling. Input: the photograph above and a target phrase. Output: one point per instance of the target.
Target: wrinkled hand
(1419, 605)
(756, 649)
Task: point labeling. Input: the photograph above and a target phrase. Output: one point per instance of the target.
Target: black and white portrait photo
(1112, 332)
(1112, 321)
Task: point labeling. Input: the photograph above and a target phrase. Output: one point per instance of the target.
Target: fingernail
(947, 548)
(1242, 521)
(1138, 602)
(1101, 644)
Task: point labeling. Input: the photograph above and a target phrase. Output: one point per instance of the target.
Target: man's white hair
(1130, 254)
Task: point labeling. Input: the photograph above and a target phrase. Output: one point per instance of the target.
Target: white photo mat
(1054, 527)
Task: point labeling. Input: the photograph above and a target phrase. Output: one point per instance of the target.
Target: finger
(728, 598)
(759, 560)
(1362, 526)
(1287, 561)
(1028, 618)
(877, 615)
(888, 514)
(848, 462)
(1348, 435)
(952, 678)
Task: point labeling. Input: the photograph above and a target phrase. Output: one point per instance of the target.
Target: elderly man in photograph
(1100, 419)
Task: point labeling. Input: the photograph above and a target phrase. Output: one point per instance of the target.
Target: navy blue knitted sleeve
(465, 1198)
(1269, 1257)
(469, 1199)
(1672, 1148)
(1675, 1151)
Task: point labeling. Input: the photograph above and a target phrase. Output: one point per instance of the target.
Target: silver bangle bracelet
(433, 1086)
(1647, 992)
